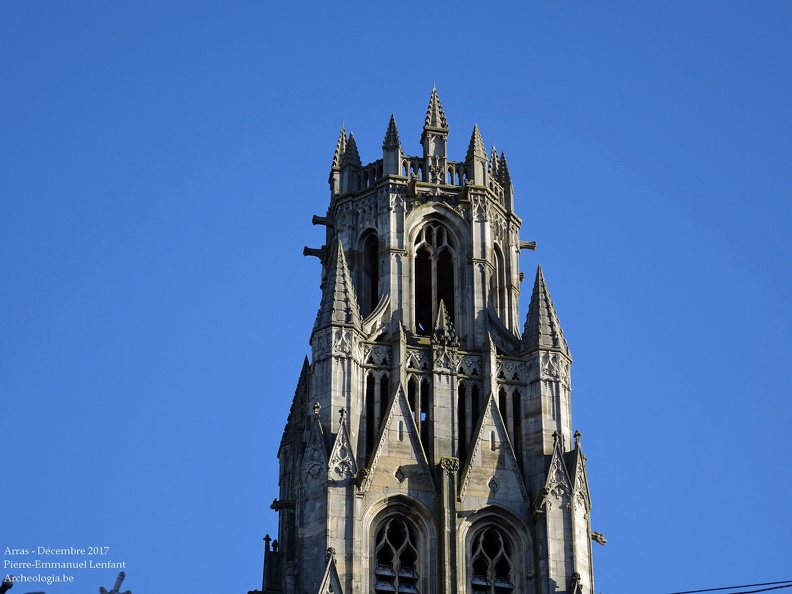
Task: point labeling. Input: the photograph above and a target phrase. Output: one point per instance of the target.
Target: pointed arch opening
(517, 439)
(369, 273)
(376, 400)
(434, 276)
(491, 562)
(468, 411)
(397, 554)
(498, 285)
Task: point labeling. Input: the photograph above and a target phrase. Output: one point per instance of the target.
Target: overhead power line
(776, 586)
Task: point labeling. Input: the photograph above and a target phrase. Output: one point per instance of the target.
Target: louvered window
(491, 563)
(396, 553)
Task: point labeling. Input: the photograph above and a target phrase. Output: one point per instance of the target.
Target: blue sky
(159, 167)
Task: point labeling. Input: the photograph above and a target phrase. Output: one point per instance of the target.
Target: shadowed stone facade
(429, 446)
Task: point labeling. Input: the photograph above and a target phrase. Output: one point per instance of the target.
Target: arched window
(491, 562)
(518, 425)
(419, 396)
(468, 410)
(498, 286)
(369, 280)
(375, 401)
(433, 276)
(396, 553)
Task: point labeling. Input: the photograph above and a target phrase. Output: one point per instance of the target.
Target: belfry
(429, 448)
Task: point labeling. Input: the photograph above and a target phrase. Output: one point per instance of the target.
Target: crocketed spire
(435, 116)
(476, 146)
(542, 328)
(351, 155)
(339, 305)
(392, 135)
(340, 149)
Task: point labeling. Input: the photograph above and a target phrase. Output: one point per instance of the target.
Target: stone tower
(429, 446)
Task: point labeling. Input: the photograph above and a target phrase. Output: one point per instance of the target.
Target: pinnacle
(392, 135)
(493, 163)
(351, 155)
(542, 328)
(340, 149)
(503, 169)
(476, 146)
(435, 116)
(444, 329)
(339, 303)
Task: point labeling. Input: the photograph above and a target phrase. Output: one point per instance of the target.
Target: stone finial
(476, 146)
(542, 328)
(340, 149)
(392, 139)
(493, 163)
(351, 155)
(342, 413)
(577, 439)
(504, 177)
(435, 116)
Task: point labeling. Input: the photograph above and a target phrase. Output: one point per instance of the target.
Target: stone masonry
(429, 447)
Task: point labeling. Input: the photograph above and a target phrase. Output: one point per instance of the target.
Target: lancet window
(396, 553)
(468, 411)
(369, 274)
(376, 400)
(419, 396)
(433, 275)
(491, 562)
(498, 286)
(510, 408)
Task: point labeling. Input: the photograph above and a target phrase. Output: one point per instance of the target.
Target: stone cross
(117, 587)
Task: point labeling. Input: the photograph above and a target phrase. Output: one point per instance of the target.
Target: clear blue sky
(159, 166)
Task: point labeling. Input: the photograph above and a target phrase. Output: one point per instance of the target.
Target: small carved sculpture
(599, 538)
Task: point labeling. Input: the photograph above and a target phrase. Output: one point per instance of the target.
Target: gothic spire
(493, 163)
(339, 305)
(542, 328)
(503, 171)
(392, 135)
(476, 146)
(576, 466)
(444, 333)
(351, 155)
(340, 149)
(435, 116)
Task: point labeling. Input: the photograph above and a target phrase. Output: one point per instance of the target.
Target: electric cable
(788, 584)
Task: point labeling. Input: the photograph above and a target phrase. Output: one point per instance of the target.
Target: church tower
(429, 448)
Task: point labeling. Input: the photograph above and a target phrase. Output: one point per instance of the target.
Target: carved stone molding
(449, 465)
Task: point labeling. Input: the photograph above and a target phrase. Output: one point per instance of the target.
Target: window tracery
(491, 563)
(396, 553)
(433, 275)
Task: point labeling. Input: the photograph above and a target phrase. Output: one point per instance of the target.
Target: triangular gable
(315, 459)
(558, 484)
(331, 583)
(396, 441)
(576, 465)
(342, 463)
(492, 461)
